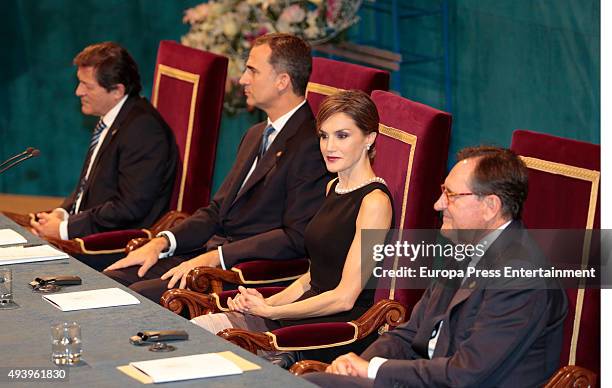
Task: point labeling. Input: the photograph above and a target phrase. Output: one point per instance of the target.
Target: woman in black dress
(333, 289)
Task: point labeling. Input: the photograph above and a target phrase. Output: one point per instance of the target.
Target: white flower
(312, 32)
(230, 27)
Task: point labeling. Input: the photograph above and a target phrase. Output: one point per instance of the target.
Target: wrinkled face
(95, 100)
(460, 212)
(342, 143)
(260, 79)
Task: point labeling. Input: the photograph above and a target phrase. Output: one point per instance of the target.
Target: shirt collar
(492, 236)
(280, 122)
(111, 115)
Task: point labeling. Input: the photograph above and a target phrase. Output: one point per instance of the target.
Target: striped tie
(92, 146)
(265, 141)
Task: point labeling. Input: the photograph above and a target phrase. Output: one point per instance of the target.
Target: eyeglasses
(450, 196)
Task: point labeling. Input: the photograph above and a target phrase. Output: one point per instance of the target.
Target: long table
(25, 336)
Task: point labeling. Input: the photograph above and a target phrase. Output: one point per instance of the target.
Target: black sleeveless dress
(328, 237)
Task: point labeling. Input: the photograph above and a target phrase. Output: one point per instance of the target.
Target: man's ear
(492, 207)
(118, 92)
(283, 82)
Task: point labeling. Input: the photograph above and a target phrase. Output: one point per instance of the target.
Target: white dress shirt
(278, 126)
(108, 119)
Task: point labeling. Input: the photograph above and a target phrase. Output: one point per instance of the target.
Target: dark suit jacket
(132, 177)
(490, 337)
(267, 217)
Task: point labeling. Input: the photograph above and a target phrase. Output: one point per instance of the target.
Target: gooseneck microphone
(27, 151)
(15, 160)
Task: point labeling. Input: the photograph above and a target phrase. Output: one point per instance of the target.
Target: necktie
(265, 140)
(95, 138)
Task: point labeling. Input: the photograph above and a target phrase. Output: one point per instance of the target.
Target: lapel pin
(472, 284)
(279, 154)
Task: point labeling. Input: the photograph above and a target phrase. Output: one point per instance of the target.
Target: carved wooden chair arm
(209, 279)
(385, 312)
(248, 340)
(170, 219)
(572, 376)
(20, 219)
(307, 366)
(136, 243)
(198, 304)
(71, 247)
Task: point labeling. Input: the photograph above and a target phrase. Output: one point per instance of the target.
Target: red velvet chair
(412, 148)
(188, 90)
(564, 193)
(329, 76)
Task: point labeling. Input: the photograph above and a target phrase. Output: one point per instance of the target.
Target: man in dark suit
(128, 175)
(274, 188)
(483, 332)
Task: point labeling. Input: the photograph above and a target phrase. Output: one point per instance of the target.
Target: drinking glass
(66, 344)
(6, 290)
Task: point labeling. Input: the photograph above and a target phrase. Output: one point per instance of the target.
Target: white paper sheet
(10, 237)
(20, 254)
(187, 367)
(92, 299)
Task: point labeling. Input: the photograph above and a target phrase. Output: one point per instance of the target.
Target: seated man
(504, 332)
(274, 188)
(128, 174)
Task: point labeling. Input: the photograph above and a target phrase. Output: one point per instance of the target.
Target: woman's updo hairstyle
(355, 104)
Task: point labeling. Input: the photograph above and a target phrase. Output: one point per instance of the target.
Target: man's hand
(349, 364)
(208, 259)
(145, 256)
(47, 224)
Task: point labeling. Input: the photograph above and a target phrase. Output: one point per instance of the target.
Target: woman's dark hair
(355, 104)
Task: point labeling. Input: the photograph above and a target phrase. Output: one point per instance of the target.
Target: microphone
(27, 151)
(25, 155)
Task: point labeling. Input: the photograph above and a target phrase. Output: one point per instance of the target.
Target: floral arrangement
(228, 27)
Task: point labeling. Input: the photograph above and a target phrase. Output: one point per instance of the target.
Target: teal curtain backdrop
(530, 64)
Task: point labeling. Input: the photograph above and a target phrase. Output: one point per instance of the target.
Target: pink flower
(332, 10)
(292, 14)
(195, 14)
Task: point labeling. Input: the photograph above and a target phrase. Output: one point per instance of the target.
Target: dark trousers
(333, 381)
(150, 285)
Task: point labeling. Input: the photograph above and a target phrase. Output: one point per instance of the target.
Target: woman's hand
(249, 300)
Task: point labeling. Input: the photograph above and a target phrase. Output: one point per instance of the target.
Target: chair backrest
(411, 153)
(564, 194)
(188, 90)
(329, 76)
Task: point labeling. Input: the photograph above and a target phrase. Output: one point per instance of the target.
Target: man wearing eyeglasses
(482, 332)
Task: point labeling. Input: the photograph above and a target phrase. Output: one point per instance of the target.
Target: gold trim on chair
(569, 171)
(584, 174)
(103, 251)
(300, 348)
(244, 281)
(321, 89)
(410, 139)
(195, 80)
